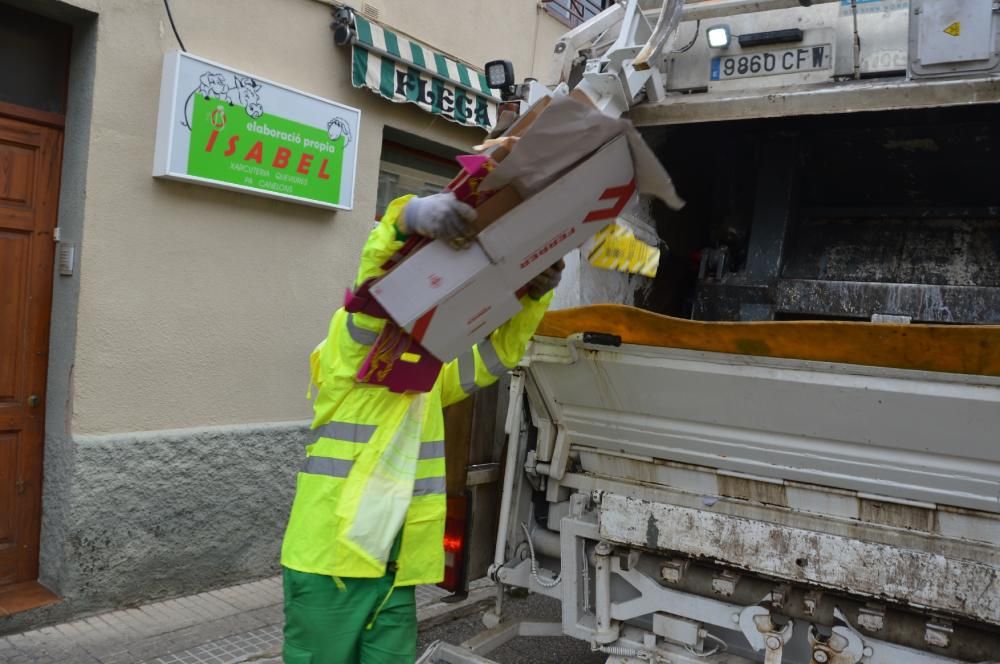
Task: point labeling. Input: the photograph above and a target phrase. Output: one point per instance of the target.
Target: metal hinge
(891, 319)
(57, 234)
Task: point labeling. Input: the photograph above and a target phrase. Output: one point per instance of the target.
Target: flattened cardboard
(497, 206)
(471, 292)
(547, 226)
(466, 317)
(426, 278)
(449, 300)
(567, 131)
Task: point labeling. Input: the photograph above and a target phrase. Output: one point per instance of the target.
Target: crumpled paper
(566, 132)
(617, 248)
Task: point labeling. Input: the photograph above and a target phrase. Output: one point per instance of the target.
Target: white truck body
(687, 505)
(861, 497)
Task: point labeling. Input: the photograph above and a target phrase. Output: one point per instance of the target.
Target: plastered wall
(198, 307)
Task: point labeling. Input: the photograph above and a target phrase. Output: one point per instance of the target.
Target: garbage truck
(785, 447)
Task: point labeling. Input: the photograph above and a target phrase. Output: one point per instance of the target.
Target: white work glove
(546, 281)
(440, 216)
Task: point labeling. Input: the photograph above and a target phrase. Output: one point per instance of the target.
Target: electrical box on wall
(954, 38)
(66, 258)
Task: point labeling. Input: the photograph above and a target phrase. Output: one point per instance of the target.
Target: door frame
(33, 116)
(26, 593)
(56, 561)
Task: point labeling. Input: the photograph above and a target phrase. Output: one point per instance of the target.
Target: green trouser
(348, 621)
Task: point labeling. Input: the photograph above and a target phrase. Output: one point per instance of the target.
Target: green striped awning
(403, 70)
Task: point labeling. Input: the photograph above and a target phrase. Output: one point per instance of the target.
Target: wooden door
(29, 184)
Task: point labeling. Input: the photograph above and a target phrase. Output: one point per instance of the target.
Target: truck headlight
(719, 36)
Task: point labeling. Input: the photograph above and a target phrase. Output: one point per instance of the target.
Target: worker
(367, 523)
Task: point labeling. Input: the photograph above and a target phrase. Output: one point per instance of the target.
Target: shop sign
(224, 128)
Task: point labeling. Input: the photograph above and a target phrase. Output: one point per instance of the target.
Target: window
(35, 53)
(575, 12)
(430, 188)
(388, 185)
(412, 165)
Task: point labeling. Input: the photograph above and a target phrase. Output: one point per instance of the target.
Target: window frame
(572, 13)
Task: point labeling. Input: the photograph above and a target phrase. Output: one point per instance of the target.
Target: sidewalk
(238, 624)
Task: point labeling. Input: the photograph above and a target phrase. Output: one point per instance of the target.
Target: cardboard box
(430, 276)
(497, 206)
(465, 317)
(449, 300)
(567, 213)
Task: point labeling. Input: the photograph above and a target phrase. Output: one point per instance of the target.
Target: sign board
(223, 128)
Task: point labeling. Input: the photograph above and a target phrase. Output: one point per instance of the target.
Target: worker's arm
(487, 361)
(437, 216)
(386, 239)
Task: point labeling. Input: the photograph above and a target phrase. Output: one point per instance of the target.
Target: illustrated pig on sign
(243, 92)
(338, 127)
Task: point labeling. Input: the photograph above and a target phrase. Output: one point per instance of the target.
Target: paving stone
(429, 594)
(80, 658)
(121, 625)
(19, 641)
(269, 615)
(67, 630)
(78, 625)
(119, 658)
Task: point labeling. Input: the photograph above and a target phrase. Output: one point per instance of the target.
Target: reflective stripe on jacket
(376, 463)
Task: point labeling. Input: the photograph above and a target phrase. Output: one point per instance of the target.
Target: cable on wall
(170, 16)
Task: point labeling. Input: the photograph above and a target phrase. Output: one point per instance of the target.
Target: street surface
(523, 650)
(243, 624)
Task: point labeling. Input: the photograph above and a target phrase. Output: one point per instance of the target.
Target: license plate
(769, 63)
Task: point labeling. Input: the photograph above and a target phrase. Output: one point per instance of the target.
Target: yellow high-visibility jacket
(377, 463)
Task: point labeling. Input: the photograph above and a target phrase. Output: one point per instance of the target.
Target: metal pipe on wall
(708, 9)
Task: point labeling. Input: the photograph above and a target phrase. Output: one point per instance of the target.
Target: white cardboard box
(466, 317)
(561, 217)
(430, 275)
(451, 299)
